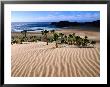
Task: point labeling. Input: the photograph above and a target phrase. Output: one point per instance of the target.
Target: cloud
(69, 17)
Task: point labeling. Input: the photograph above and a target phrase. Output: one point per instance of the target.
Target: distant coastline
(38, 26)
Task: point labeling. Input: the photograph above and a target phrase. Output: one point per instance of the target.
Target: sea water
(31, 26)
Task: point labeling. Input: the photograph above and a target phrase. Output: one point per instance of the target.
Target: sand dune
(41, 60)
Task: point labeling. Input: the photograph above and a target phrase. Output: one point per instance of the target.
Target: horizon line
(58, 21)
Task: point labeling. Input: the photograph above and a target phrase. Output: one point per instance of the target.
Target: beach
(36, 59)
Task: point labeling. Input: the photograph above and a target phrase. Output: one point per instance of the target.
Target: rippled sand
(41, 60)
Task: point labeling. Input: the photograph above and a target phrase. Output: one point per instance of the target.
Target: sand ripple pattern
(40, 60)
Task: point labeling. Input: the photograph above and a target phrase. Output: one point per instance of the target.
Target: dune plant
(61, 37)
(85, 41)
(93, 42)
(65, 39)
(24, 32)
(56, 39)
(42, 32)
(45, 33)
(52, 31)
(78, 40)
(74, 39)
(50, 39)
(70, 39)
(16, 41)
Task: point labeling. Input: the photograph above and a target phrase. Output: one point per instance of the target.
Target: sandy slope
(38, 59)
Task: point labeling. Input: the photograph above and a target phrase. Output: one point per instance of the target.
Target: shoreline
(79, 28)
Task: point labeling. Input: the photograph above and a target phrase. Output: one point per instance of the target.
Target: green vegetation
(56, 39)
(24, 33)
(52, 36)
(45, 35)
(93, 42)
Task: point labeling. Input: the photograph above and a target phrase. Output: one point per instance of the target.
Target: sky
(54, 16)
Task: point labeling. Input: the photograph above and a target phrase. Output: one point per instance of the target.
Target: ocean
(39, 26)
(31, 26)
